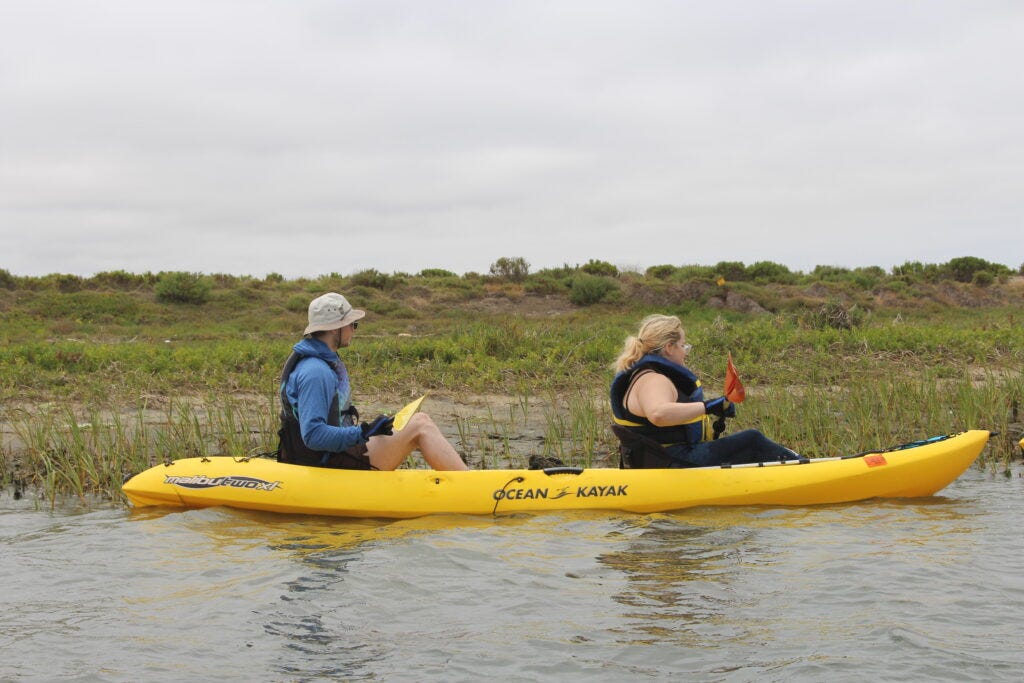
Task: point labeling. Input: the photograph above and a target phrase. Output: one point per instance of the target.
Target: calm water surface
(931, 589)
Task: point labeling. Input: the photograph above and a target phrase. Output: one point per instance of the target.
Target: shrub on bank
(120, 280)
(602, 268)
(587, 290)
(183, 288)
(437, 273)
(662, 272)
(834, 314)
(513, 269)
(764, 272)
(7, 281)
(732, 271)
(963, 269)
(371, 277)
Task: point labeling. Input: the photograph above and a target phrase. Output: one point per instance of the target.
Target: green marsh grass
(65, 453)
(576, 429)
(112, 386)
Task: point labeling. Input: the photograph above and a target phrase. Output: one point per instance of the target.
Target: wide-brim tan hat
(331, 311)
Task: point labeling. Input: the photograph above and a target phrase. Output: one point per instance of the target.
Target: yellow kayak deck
(910, 471)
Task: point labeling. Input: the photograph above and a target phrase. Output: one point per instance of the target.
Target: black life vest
(291, 448)
(689, 390)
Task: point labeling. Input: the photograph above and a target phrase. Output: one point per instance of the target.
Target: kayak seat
(639, 452)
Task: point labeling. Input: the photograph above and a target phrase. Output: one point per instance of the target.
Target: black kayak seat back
(637, 451)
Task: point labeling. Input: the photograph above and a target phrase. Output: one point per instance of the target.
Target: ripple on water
(916, 590)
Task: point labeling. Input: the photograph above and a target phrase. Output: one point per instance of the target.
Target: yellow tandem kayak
(909, 471)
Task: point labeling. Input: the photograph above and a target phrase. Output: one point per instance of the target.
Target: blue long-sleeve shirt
(311, 389)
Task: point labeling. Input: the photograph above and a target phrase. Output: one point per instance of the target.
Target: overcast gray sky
(307, 137)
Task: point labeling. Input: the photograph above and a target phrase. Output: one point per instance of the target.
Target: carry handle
(562, 470)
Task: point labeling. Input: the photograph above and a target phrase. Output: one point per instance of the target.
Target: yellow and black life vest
(690, 391)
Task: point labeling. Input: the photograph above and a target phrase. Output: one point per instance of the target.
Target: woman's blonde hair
(656, 332)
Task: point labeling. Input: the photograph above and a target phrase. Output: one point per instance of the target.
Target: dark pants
(747, 446)
(354, 458)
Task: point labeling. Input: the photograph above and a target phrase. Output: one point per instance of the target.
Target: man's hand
(381, 426)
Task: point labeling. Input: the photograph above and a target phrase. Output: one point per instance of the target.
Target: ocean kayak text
(581, 492)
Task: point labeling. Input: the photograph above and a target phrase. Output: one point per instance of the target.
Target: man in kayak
(654, 395)
(319, 424)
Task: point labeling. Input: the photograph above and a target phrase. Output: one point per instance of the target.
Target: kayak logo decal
(199, 481)
(875, 460)
(581, 492)
(521, 494)
(601, 491)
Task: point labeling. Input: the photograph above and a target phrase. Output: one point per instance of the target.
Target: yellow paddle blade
(402, 416)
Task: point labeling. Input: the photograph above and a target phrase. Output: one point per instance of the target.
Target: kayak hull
(263, 484)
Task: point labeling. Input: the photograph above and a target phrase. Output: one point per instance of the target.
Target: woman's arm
(654, 396)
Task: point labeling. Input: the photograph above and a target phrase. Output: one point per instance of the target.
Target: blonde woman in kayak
(655, 395)
(319, 424)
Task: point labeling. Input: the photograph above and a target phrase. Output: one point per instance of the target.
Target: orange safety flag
(734, 390)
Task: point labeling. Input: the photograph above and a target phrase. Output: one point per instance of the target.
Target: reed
(67, 454)
(64, 453)
(210, 388)
(576, 429)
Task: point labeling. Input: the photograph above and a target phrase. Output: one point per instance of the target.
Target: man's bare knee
(421, 422)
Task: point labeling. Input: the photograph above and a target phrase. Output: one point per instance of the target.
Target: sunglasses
(355, 325)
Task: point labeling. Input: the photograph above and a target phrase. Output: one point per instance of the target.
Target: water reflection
(665, 554)
(707, 577)
(677, 575)
(345, 582)
(318, 617)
